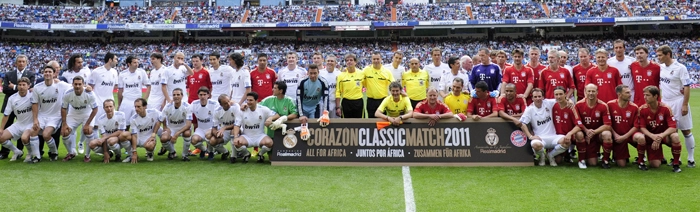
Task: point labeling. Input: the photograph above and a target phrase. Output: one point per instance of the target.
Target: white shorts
(155, 103)
(227, 136)
(550, 141)
(17, 129)
(128, 110)
(201, 133)
(54, 122)
(682, 122)
(173, 130)
(254, 141)
(141, 140)
(100, 111)
(73, 121)
(331, 109)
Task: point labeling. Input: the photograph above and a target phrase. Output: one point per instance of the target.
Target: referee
(377, 80)
(349, 89)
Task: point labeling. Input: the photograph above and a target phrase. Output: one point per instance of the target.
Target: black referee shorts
(372, 105)
(352, 108)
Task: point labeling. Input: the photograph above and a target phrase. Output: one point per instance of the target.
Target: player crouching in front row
(224, 120)
(111, 125)
(144, 125)
(249, 129)
(657, 125)
(539, 115)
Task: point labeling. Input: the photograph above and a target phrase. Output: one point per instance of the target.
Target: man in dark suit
(9, 87)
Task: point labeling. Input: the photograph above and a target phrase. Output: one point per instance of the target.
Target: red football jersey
(518, 77)
(262, 83)
(606, 81)
(643, 77)
(656, 122)
(536, 73)
(580, 79)
(565, 119)
(517, 106)
(482, 107)
(551, 79)
(424, 107)
(593, 117)
(195, 81)
(623, 119)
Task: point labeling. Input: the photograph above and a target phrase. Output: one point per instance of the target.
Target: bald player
(175, 77)
(596, 127)
(415, 82)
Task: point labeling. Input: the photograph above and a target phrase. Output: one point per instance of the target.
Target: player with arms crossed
(249, 129)
(539, 115)
(483, 106)
(624, 123)
(144, 127)
(46, 100)
(177, 120)
(567, 121)
(83, 110)
(432, 109)
(596, 127)
(220, 133)
(397, 107)
(675, 92)
(510, 106)
(20, 104)
(112, 125)
(657, 125)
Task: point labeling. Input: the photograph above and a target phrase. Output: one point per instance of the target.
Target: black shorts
(372, 105)
(352, 108)
(415, 103)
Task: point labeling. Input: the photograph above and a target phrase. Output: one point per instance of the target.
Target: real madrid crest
(290, 140)
(86, 101)
(259, 117)
(491, 137)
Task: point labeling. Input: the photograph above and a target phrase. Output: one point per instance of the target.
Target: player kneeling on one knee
(220, 133)
(144, 125)
(177, 120)
(249, 129)
(112, 125)
(657, 125)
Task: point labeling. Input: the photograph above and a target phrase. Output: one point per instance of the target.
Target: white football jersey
(175, 78)
(241, 82)
(435, 72)
(49, 98)
(132, 82)
(81, 105)
(108, 125)
(224, 118)
(204, 114)
(252, 123)
(103, 82)
(397, 72)
(143, 126)
(69, 75)
(332, 80)
(156, 92)
(673, 79)
(221, 80)
(176, 117)
(448, 77)
(292, 78)
(541, 118)
(22, 107)
(624, 68)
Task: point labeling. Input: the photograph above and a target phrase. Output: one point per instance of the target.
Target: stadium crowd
(687, 46)
(307, 13)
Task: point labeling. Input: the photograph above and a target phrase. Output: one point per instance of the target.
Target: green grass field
(164, 185)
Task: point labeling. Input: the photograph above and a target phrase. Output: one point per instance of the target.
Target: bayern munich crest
(518, 138)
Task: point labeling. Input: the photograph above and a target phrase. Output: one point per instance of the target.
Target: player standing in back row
(291, 75)
(130, 83)
(155, 93)
(675, 92)
(103, 81)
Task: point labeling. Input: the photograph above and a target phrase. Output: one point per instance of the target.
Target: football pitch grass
(164, 185)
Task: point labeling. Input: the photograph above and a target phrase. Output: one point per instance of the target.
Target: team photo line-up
(567, 113)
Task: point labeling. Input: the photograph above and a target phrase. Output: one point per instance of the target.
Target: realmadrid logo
(290, 141)
(116, 123)
(183, 113)
(491, 137)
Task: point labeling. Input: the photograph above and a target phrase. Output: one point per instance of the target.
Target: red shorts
(620, 150)
(593, 148)
(654, 154)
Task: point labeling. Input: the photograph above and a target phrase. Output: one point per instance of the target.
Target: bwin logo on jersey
(146, 129)
(107, 84)
(25, 110)
(218, 82)
(539, 123)
(257, 126)
(47, 101)
(135, 85)
(295, 80)
(177, 81)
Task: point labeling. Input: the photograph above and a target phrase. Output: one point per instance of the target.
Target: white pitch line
(408, 189)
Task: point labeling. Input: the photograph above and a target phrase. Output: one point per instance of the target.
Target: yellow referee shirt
(395, 109)
(349, 85)
(416, 84)
(457, 104)
(377, 82)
